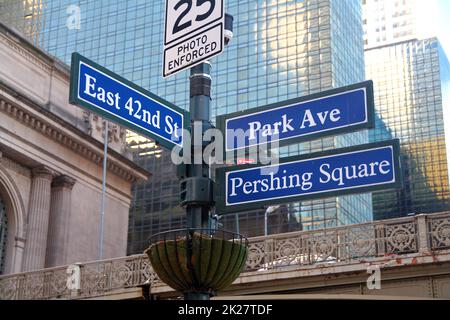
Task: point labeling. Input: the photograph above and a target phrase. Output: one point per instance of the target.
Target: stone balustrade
(421, 234)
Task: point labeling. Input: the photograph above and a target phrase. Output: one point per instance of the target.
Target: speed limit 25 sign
(193, 33)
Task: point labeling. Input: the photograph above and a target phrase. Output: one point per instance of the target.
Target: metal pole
(200, 97)
(265, 222)
(198, 208)
(197, 186)
(102, 210)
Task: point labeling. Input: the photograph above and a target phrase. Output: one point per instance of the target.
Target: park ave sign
(341, 110)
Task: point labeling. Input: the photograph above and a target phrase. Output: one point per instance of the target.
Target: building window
(3, 235)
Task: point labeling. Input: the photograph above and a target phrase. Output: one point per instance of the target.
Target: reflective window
(408, 81)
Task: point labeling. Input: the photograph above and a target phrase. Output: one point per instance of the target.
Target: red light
(245, 161)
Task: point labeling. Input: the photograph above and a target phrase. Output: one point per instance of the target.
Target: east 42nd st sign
(117, 99)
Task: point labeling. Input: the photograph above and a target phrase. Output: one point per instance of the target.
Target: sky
(434, 20)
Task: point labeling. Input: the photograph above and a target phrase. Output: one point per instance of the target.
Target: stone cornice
(14, 40)
(93, 152)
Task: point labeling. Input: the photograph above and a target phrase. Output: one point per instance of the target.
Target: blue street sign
(332, 112)
(359, 169)
(119, 100)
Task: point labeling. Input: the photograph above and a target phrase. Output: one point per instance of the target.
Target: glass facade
(25, 16)
(281, 50)
(388, 21)
(411, 81)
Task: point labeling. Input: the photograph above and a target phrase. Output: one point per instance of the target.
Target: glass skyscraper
(411, 81)
(389, 21)
(281, 50)
(25, 16)
(411, 84)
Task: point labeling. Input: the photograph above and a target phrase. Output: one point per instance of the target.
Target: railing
(95, 278)
(418, 234)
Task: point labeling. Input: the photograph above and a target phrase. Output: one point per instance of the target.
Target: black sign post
(198, 260)
(197, 187)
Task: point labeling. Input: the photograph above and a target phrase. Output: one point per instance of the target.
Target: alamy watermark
(374, 280)
(74, 18)
(207, 146)
(74, 277)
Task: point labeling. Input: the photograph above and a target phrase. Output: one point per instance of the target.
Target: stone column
(422, 233)
(19, 248)
(37, 221)
(60, 209)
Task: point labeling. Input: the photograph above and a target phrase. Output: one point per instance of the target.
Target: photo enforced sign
(193, 51)
(194, 32)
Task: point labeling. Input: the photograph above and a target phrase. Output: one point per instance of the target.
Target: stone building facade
(51, 156)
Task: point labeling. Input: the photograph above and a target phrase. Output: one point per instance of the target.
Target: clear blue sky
(444, 24)
(434, 20)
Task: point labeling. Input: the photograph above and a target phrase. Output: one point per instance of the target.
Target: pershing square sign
(359, 169)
